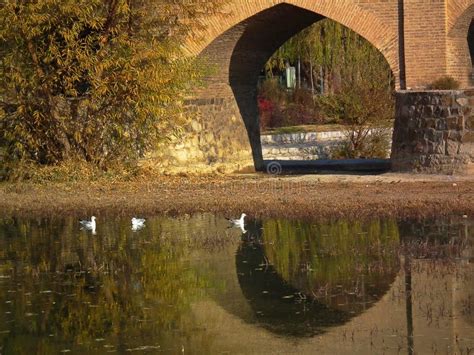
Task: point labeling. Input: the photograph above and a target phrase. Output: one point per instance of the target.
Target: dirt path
(306, 196)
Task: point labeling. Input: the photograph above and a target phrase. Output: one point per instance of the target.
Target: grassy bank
(307, 197)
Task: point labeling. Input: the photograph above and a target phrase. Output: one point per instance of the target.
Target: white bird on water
(89, 225)
(138, 223)
(239, 222)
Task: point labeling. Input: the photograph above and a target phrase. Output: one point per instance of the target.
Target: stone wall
(214, 140)
(307, 145)
(434, 132)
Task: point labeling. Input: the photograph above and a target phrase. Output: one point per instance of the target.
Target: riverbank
(306, 197)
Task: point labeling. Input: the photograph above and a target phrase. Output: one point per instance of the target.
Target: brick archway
(459, 49)
(380, 31)
(238, 46)
(421, 41)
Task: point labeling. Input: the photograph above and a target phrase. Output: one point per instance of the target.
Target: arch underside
(461, 47)
(239, 53)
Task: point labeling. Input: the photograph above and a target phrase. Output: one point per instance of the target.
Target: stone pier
(434, 132)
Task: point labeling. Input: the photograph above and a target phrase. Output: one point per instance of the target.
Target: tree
(98, 80)
(363, 102)
(330, 53)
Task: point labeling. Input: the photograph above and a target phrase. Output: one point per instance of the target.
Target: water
(191, 285)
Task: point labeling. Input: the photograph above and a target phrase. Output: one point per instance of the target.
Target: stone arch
(238, 44)
(461, 45)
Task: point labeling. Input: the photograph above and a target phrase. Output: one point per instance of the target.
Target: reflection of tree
(445, 245)
(74, 288)
(345, 264)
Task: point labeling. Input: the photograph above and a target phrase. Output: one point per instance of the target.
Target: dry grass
(309, 197)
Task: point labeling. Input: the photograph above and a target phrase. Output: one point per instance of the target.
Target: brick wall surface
(435, 31)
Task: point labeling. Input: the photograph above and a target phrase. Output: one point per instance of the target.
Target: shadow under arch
(291, 307)
(470, 41)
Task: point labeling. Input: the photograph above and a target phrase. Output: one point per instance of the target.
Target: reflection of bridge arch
(289, 307)
(283, 309)
(233, 325)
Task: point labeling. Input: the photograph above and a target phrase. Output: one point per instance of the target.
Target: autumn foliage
(96, 80)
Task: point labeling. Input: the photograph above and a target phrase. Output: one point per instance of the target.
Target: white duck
(239, 222)
(89, 225)
(138, 223)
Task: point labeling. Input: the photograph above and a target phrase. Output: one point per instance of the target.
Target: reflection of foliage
(73, 288)
(340, 259)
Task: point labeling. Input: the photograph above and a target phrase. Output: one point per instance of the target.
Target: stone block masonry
(434, 132)
(308, 145)
(214, 140)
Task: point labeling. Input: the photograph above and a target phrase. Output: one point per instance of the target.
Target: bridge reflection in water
(381, 286)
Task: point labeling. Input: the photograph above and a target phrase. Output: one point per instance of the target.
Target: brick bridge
(422, 40)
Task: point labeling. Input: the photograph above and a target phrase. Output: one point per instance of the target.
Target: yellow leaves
(88, 130)
(77, 136)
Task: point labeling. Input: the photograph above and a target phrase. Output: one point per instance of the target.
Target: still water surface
(191, 285)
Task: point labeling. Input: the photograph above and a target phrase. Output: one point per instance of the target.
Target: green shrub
(375, 145)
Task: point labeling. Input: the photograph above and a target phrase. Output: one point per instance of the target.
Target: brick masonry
(435, 31)
(434, 132)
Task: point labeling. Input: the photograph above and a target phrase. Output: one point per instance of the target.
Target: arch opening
(326, 94)
(263, 34)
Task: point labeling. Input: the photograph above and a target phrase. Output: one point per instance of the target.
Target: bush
(375, 145)
(271, 90)
(444, 83)
(265, 108)
(279, 107)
